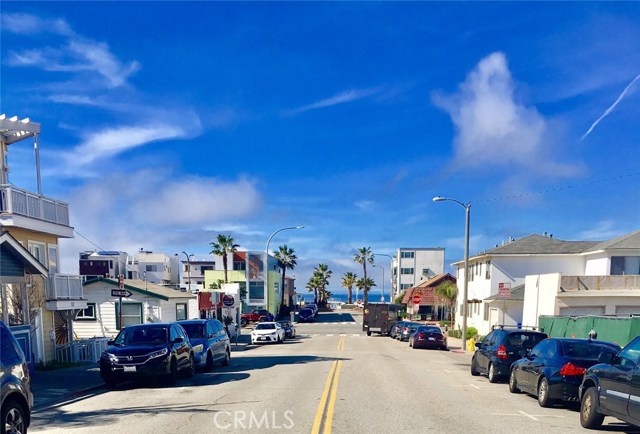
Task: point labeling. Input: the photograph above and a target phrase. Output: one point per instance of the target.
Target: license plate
(261, 339)
(129, 369)
(432, 339)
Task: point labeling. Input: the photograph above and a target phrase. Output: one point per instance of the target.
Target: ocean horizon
(374, 296)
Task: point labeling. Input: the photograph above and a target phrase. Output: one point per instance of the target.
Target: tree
(348, 280)
(363, 283)
(364, 257)
(223, 247)
(312, 286)
(448, 293)
(400, 297)
(287, 258)
(322, 274)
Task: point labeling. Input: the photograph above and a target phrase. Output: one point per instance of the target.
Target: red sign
(504, 290)
(415, 298)
(121, 281)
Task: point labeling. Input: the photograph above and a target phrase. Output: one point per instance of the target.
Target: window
(407, 255)
(425, 271)
(131, 314)
(239, 265)
(256, 290)
(181, 311)
(405, 286)
(406, 271)
(151, 268)
(53, 259)
(621, 265)
(37, 250)
(487, 271)
(88, 314)
(486, 313)
(204, 268)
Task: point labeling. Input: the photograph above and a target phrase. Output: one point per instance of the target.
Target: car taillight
(420, 335)
(571, 369)
(502, 352)
(439, 337)
(405, 329)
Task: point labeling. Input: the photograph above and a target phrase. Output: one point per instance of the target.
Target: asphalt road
(332, 378)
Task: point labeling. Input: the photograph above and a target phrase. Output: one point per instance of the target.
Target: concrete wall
(597, 265)
(540, 297)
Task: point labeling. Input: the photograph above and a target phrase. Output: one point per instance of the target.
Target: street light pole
(465, 291)
(266, 263)
(188, 269)
(390, 274)
(380, 266)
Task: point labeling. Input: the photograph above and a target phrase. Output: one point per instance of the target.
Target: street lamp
(266, 263)
(380, 266)
(465, 291)
(390, 273)
(188, 269)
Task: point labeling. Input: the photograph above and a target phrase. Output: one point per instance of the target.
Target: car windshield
(429, 330)
(284, 324)
(305, 311)
(263, 326)
(195, 331)
(142, 336)
(585, 350)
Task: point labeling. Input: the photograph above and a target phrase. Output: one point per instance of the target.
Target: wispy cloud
(604, 230)
(341, 98)
(611, 107)
(75, 53)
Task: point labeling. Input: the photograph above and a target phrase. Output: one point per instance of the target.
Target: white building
(538, 262)
(154, 267)
(413, 265)
(192, 270)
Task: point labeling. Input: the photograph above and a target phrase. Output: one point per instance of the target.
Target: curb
(65, 399)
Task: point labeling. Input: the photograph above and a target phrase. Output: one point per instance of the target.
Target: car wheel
(589, 416)
(493, 377)
(209, 363)
(243, 322)
(474, 368)
(172, 378)
(513, 384)
(227, 358)
(368, 333)
(191, 368)
(410, 343)
(543, 393)
(14, 418)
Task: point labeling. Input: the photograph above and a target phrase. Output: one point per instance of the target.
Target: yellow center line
(329, 393)
(332, 401)
(323, 401)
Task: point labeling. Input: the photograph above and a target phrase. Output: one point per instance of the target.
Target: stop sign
(415, 298)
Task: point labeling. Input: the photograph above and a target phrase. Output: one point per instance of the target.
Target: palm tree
(348, 280)
(313, 285)
(322, 273)
(287, 258)
(363, 283)
(448, 292)
(223, 247)
(364, 256)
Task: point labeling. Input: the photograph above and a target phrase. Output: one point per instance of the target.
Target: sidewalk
(455, 346)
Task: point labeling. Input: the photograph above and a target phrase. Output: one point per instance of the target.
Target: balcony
(64, 291)
(27, 210)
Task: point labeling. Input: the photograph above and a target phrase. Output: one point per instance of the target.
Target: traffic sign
(416, 298)
(228, 300)
(121, 293)
(504, 290)
(121, 281)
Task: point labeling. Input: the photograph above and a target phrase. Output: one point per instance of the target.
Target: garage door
(626, 310)
(582, 310)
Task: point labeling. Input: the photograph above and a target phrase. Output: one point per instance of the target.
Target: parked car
(554, 368)
(289, 329)
(500, 348)
(254, 316)
(395, 329)
(15, 388)
(428, 337)
(313, 307)
(408, 328)
(610, 388)
(305, 315)
(267, 332)
(210, 342)
(147, 350)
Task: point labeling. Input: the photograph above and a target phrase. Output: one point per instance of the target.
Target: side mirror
(605, 358)
(178, 341)
(479, 344)
(110, 342)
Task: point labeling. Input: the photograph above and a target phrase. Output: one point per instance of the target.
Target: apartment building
(413, 265)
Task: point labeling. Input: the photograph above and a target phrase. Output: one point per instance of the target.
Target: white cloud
(341, 98)
(365, 205)
(27, 24)
(603, 231)
(492, 128)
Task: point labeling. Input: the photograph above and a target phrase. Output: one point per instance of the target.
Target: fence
(620, 330)
(85, 350)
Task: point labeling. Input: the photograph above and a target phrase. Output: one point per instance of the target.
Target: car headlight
(109, 356)
(159, 353)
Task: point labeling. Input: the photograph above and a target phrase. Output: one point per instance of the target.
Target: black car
(289, 329)
(408, 328)
(428, 337)
(306, 315)
(210, 342)
(500, 348)
(15, 391)
(147, 350)
(553, 369)
(612, 388)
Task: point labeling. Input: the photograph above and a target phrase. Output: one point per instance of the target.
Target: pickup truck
(612, 388)
(254, 316)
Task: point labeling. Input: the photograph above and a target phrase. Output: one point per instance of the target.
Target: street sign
(121, 293)
(228, 300)
(504, 290)
(121, 281)
(416, 298)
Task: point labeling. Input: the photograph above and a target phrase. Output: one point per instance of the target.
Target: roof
(30, 263)
(517, 294)
(145, 288)
(627, 241)
(426, 289)
(151, 257)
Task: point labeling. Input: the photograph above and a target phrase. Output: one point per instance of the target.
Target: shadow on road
(250, 363)
(325, 317)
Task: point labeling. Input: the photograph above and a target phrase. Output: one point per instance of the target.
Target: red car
(255, 315)
(428, 337)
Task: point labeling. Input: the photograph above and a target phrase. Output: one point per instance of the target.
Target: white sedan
(267, 332)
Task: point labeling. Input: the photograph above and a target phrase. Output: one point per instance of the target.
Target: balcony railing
(65, 287)
(22, 202)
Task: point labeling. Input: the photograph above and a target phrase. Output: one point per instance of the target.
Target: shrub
(445, 323)
(455, 333)
(471, 332)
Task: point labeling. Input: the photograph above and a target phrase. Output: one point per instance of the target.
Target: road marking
(447, 371)
(355, 335)
(328, 399)
(474, 386)
(329, 335)
(341, 343)
(528, 415)
(343, 334)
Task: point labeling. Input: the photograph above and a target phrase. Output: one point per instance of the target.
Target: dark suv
(500, 348)
(17, 399)
(612, 388)
(147, 350)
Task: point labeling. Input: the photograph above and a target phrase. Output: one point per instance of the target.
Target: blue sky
(166, 123)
